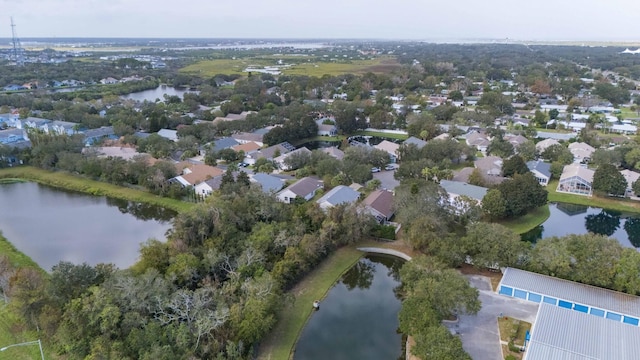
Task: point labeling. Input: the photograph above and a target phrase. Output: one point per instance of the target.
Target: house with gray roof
(576, 179)
(380, 204)
(334, 152)
(282, 159)
(419, 143)
(169, 134)
(268, 183)
(224, 143)
(456, 189)
(304, 188)
(541, 171)
(340, 194)
(92, 136)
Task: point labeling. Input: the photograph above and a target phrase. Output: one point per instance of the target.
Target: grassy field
(512, 329)
(12, 331)
(383, 134)
(280, 343)
(75, 183)
(301, 66)
(619, 204)
(17, 258)
(529, 221)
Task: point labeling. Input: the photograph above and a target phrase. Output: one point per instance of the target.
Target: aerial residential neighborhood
(310, 199)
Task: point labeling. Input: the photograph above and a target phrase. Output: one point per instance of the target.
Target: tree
(527, 150)
(556, 170)
(514, 165)
(493, 205)
(437, 342)
(553, 114)
(632, 158)
(609, 181)
(500, 147)
(493, 245)
(558, 153)
(521, 194)
(475, 178)
(496, 103)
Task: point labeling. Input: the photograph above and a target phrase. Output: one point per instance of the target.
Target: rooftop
(305, 186)
(577, 170)
(461, 188)
(563, 334)
(572, 291)
(340, 194)
(380, 201)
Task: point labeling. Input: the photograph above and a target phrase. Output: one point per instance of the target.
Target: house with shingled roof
(380, 204)
(304, 188)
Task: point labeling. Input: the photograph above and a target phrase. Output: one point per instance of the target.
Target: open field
(280, 342)
(619, 204)
(75, 183)
(12, 331)
(529, 221)
(301, 66)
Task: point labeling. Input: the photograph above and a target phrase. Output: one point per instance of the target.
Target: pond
(579, 219)
(373, 140)
(313, 145)
(358, 319)
(50, 225)
(157, 93)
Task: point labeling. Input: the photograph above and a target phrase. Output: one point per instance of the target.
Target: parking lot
(479, 333)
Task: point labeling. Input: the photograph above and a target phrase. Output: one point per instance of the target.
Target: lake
(50, 225)
(568, 219)
(358, 319)
(157, 93)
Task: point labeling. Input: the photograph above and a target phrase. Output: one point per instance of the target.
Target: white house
(576, 179)
(541, 171)
(544, 144)
(169, 134)
(630, 177)
(304, 188)
(390, 148)
(581, 151)
(338, 195)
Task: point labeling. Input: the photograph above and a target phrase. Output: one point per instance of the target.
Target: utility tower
(17, 47)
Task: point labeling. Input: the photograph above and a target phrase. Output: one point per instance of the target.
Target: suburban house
(443, 136)
(244, 137)
(456, 189)
(224, 143)
(334, 152)
(247, 148)
(169, 134)
(419, 143)
(379, 204)
(232, 117)
(12, 136)
(630, 177)
(326, 129)
(268, 183)
(281, 160)
(576, 179)
(627, 129)
(391, 149)
(541, 171)
(196, 175)
(269, 153)
(340, 194)
(92, 136)
(544, 144)
(516, 140)
(304, 188)
(108, 80)
(581, 151)
(489, 165)
(478, 140)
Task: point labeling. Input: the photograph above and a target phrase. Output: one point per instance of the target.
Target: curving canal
(358, 319)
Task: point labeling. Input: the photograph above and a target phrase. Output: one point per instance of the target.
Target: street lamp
(25, 344)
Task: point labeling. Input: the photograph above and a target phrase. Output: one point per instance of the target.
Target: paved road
(479, 333)
(386, 179)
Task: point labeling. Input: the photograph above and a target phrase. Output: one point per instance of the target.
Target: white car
(389, 167)
(375, 169)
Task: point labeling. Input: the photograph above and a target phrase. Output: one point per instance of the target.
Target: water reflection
(142, 211)
(358, 317)
(568, 219)
(606, 223)
(52, 225)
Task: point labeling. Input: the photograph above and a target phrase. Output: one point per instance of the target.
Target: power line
(17, 47)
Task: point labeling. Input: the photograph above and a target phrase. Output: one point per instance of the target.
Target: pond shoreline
(87, 186)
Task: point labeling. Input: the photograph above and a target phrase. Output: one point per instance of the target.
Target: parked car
(243, 164)
(375, 169)
(389, 167)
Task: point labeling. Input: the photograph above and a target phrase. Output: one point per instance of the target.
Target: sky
(586, 20)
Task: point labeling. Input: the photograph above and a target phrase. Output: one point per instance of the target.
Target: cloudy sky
(396, 19)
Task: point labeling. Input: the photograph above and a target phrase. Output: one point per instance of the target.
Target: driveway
(386, 179)
(479, 333)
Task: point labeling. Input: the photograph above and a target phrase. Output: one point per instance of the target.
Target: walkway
(376, 250)
(479, 333)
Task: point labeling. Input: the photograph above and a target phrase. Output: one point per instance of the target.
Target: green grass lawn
(529, 221)
(619, 204)
(301, 66)
(76, 183)
(17, 258)
(12, 331)
(280, 342)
